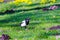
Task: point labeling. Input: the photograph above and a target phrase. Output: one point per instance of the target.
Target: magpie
(25, 22)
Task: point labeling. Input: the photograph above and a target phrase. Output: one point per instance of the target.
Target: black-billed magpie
(25, 22)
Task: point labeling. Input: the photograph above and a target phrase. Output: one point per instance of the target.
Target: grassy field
(9, 24)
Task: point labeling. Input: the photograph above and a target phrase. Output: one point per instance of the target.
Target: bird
(25, 22)
(5, 37)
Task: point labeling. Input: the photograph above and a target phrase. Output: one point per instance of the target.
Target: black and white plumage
(25, 22)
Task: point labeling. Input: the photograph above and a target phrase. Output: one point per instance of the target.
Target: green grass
(9, 24)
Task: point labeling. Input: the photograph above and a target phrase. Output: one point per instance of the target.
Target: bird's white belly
(23, 24)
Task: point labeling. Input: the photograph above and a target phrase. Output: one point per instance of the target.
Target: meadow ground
(9, 24)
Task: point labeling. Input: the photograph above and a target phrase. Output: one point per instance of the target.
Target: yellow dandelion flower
(53, 1)
(22, 1)
(19, 0)
(43, 1)
(29, 2)
(10, 2)
(15, 2)
(1, 0)
(26, 1)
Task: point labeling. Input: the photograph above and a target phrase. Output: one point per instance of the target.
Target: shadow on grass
(55, 34)
(17, 26)
(37, 8)
(4, 21)
(11, 12)
(13, 25)
(46, 35)
(32, 25)
(1, 13)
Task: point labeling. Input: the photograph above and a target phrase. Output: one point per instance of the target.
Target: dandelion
(1, 0)
(10, 2)
(21, 0)
(29, 2)
(43, 1)
(17, 2)
(53, 1)
(26, 1)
